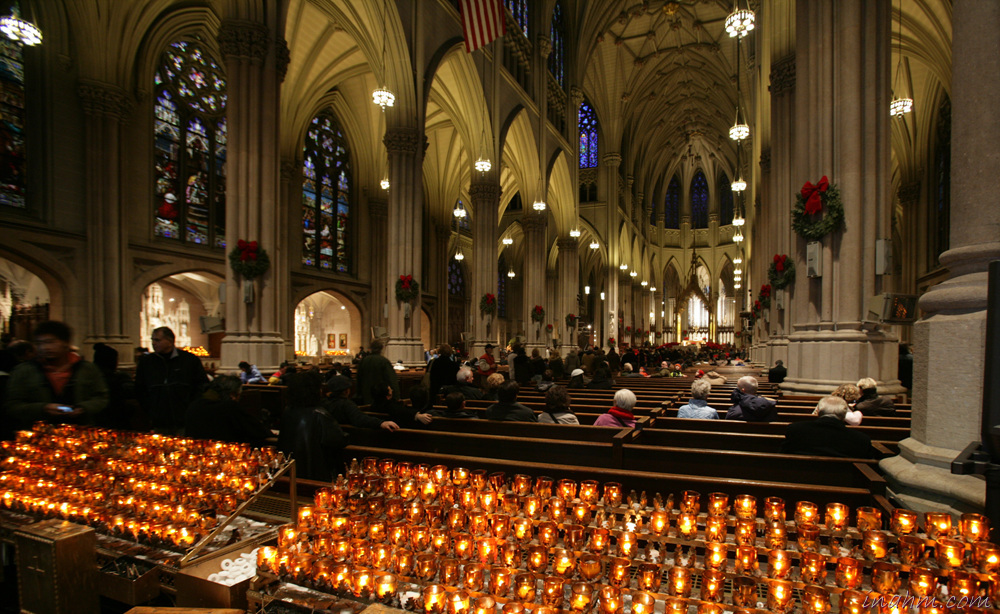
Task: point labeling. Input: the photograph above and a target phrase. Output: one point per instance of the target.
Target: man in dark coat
(167, 381)
(614, 361)
(827, 435)
(870, 403)
(375, 368)
(777, 373)
(507, 409)
(463, 385)
(748, 406)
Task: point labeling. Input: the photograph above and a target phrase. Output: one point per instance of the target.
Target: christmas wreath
(764, 296)
(407, 288)
(818, 210)
(537, 313)
(781, 272)
(571, 320)
(548, 327)
(638, 332)
(611, 340)
(628, 329)
(248, 259)
(488, 304)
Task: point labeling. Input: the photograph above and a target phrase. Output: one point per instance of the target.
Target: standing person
(443, 371)
(748, 406)
(250, 374)
(375, 368)
(487, 364)
(59, 386)
(698, 406)
(614, 360)
(905, 366)
(572, 362)
(121, 390)
(777, 373)
(167, 381)
(556, 364)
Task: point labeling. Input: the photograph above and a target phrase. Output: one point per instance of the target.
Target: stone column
(842, 130)
(291, 195)
(254, 70)
(106, 108)
(776, 174)
(609, 312)
(405, 244)
(439, 259)
(569, 286)
(950, 340)
(534, 276)
(378, 211)
(485, 197)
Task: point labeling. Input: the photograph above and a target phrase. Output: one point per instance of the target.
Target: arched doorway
(327, 325)
(24, 300)
(191, 305)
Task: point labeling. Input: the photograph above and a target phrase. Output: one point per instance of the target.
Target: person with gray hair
(621, 414)
(748, 406)
(698, 406)
(463, 383)
(828, 434)
(870, 403)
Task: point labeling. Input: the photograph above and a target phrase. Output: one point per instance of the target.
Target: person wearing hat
(576, 380)
(487, 364)
(346, 411)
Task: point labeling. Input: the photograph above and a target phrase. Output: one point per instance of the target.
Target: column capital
(544, 47)
(567, 244)
(532, 223)
(289, 168)
(612, 158)
(243, 39)
(104, 99)
(765, 160)
(378, 208)
(576, 96)
(442, 232)
(402, 140)
(485, 190)
(909, 193)
(282, 56)
(782, 75)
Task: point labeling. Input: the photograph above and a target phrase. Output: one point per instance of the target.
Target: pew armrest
(875, 482)
(881, 449)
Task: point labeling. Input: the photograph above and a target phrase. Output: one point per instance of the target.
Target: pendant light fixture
(382, 95)
(740, 129)
(483, 163)
(740, 22)
(19, 30)
(902, 105)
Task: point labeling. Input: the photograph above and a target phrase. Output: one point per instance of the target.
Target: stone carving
(485, 191)
(909, 193)
(378, 209)
(402, 140)
(533, 223)
(243, 39)
(281, 58)
(544, 46)
(612, 158)
(782, 75)
(104, 99)
(765, 160)
(576, 95)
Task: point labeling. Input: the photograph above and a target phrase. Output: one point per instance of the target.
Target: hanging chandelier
(459, 210)
(644, 283)
(382, 95)
(739, 185)
(740, 22)
(539, 205)
(483, 165)
(459, 255)
(737, 285)
(385, 182)
(623, 266)
(901, 105)
(510, 273)
(738, 271)
(738, 259)
(575, 233)
(633, 274)
(739, 131)
(507, 241)
(594, 245)
(738, 219)
(19, 30)
(738, 237)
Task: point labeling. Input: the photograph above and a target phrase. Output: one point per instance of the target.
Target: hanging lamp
(740, 22)
(382, 95)
(902, 105)
(19, 30)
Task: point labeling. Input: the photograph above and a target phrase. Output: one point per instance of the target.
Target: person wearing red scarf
(621, 414)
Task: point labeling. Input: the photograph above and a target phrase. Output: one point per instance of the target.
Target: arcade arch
(327, 324)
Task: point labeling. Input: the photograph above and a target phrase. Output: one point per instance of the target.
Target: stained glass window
(699, 201)
(502, 287)
(588, 136)
(12, 159)
(672, 205)
(557, 33)
(725, 191)
(941, 211)
(326, 196)
(519, 8)
(456, 278)
(190, 147)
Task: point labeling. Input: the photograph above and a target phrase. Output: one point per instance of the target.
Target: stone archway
(25, 300)
(328, 324)
(191, 305)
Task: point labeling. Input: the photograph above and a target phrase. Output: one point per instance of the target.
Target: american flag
(483, 21)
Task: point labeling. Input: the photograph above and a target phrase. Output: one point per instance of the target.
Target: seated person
(602, 378)
(870, 403)
(464, 385)
(715, 378)
(676, 371)
(492, 386)
(557, 407)
(250, 374)
(748, 406)
(345, 411)
(698, 406)
(850, 393)
(546, 381)
(507, 409)
(827, 435)
(399, 412)
(454, 404)
(576, 380)
(627, 370)
(777, 373)
(218, 415)
(621, 414)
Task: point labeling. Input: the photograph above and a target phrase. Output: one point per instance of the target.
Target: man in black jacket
(507, 409)
(464, 385)
(748, 406)
(167, 381)
(777, 373)
(827, 435)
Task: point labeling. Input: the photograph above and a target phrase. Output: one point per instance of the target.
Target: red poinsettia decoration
(813, 195)
(765, 291)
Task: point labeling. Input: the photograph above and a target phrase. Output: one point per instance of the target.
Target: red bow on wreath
(812, 195)
(490, 299)
(779, 262)
(248, 251)
(405, 280)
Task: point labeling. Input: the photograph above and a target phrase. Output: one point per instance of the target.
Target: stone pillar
(439, 259)
(777, 181)
(106, 108)
(254, 70)
(485, 197)
(405, 244)
(291, 196)
(842, 130)
(569, 286)
(534, 276)
(610, 309)
(378, 211)
(950, 340)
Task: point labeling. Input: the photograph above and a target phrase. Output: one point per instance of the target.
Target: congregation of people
(171, 392)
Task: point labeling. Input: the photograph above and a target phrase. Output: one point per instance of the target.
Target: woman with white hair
(870, 404)
(621, 414)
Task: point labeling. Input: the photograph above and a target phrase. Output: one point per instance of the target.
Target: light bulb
(586, 289)
(602, 296)
(384, 183)
(383, 97)
(459, 255)
(510, 273)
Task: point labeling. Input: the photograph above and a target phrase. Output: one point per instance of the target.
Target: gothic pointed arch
(699, 200)
(326, 195)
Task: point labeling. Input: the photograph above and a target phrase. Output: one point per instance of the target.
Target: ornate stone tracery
(244, 40)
